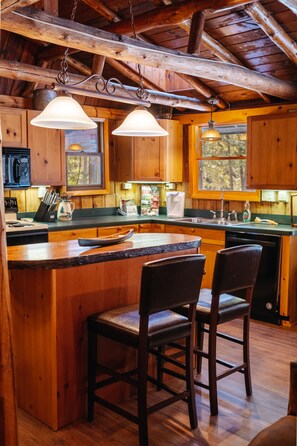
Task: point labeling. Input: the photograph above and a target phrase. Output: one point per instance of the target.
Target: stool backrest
(170, 283)
(236, 268)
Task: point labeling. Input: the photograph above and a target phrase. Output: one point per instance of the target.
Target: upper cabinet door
(47, 154)
(13, 127)
(150, 158)
(272, 151)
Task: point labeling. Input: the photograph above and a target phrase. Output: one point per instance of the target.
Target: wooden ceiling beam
(7, 6)
(171, 15)
(196, 30)
(273, 30)
(291, 4)
(102, 10)
(20, 71)
(98, 64)
(37, 25)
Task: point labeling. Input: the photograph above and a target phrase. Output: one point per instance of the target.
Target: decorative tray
(108, 240)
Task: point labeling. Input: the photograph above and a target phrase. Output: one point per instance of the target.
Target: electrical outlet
(269, 195)
(283, 195)
(170, 186)
(126, 186)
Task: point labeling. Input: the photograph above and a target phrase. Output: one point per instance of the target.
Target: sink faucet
(235, 215)
(214, 214)
(222, 219)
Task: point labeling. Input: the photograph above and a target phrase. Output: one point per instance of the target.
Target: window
(86, 159)
(221, 165)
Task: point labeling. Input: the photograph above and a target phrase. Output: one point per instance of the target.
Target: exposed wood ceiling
(241, 52)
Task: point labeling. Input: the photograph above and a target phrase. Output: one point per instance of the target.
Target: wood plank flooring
(239, 419)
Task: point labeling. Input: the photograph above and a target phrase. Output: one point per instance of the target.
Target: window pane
(82, 140)
(222, 175)
(233, 143)
(84, 170)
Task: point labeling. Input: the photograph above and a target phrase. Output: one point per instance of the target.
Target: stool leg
(160, 362)
(246, 355)
(190, 383)
(199, 344)
(142, 396)
(92, 360)
(212, 370)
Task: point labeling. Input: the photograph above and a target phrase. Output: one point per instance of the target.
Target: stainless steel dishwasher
(266, 300)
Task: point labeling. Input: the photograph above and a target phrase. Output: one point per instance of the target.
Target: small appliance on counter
(175, 202)
(24, 231)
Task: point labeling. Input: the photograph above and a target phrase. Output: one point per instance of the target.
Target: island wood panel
(53, 352)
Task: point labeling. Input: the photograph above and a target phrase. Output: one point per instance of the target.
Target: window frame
(194, 142)
(106, 177)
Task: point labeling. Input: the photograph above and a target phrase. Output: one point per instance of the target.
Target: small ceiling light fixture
(211, 134)
(140, 122)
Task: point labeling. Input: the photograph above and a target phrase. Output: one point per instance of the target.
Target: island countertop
(67, 254)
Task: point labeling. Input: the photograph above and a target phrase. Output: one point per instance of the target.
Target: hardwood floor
(239, 419)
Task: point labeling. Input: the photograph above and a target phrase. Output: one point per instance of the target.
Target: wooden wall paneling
(8, 417)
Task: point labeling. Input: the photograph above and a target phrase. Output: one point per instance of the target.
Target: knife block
(44, 214)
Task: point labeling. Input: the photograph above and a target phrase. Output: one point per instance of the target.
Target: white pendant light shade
(64, 113)
(140, 122)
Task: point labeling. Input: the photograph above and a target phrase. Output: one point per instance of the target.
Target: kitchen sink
(210, 221)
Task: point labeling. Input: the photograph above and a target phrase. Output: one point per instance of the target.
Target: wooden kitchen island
(54, 287)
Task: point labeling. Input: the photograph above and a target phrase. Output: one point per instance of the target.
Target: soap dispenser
(246, 215)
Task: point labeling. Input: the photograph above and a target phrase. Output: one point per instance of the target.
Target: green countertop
(118, 220)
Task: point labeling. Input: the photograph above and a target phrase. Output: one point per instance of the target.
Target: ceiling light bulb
(64, 113)
(140, 122)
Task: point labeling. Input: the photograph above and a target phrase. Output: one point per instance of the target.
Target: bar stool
(235, 271)
(165, 284)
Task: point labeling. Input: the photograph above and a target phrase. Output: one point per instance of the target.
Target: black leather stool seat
(122, 324)
(230, 307)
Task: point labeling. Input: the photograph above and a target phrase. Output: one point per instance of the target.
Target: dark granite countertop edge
(117, 220)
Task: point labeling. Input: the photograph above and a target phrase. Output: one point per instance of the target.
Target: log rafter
(21, 71)
(7, 6)
(291, 4)
(35, 24)
(273, 30)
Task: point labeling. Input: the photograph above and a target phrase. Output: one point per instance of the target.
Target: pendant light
(211, 134)
(140, 122)
(64, 112)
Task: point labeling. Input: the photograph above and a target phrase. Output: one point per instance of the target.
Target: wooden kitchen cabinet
(109, 230)
(150, 158)
(272, 151)
(71, 234)
(47, 154)
(151, 227)
(211, 242)
(13, 127)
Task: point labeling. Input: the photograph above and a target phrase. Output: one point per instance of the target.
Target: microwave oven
(16, 168)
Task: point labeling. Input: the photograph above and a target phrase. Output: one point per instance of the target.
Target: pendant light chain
(141, 91)
(63, 77)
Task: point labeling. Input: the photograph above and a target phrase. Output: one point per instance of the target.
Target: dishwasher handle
(253, 241)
